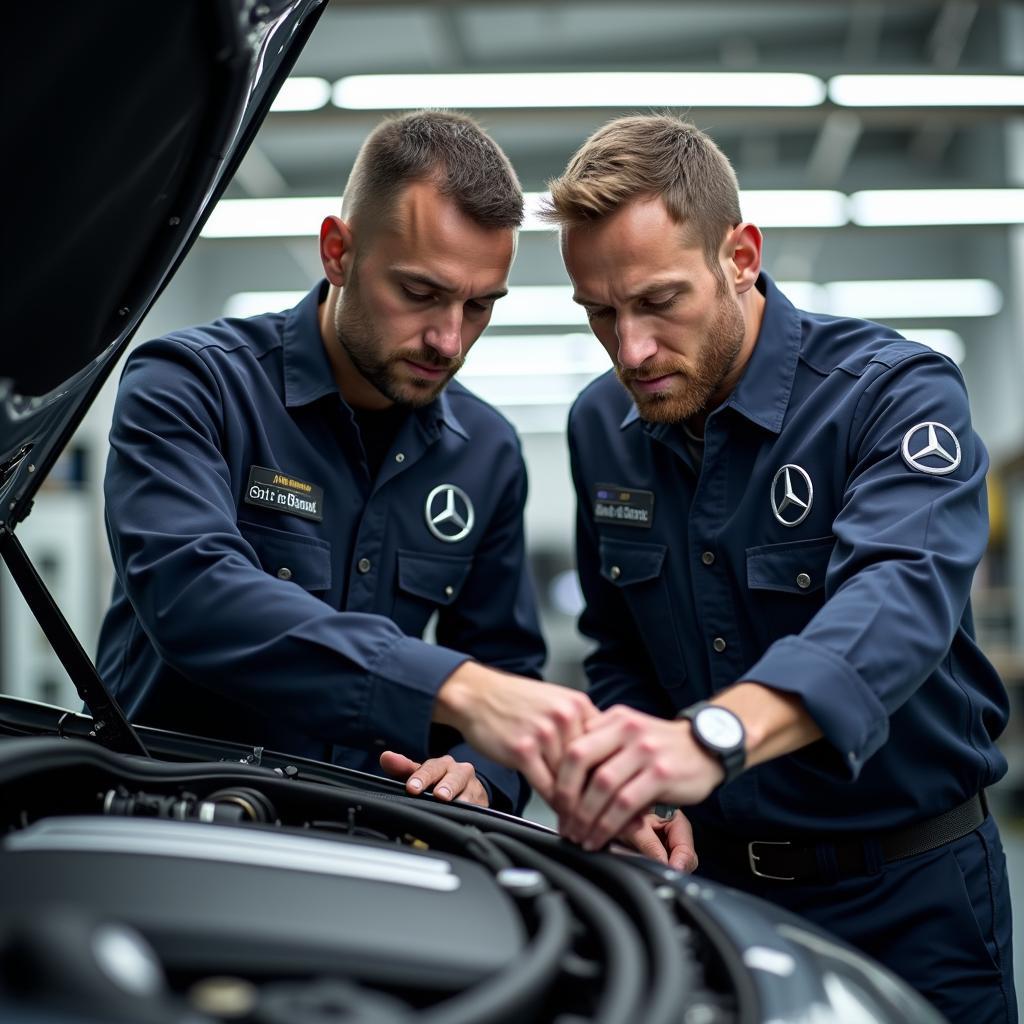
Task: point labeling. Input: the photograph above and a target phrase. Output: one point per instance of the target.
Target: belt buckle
(754, 858)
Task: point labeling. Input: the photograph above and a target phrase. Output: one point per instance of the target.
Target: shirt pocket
(786, 584)
(426, 582)
(290, 556)
(636, 569)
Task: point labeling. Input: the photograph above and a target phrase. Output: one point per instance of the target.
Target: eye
(476, 306)
(657, 307)
(422, 297)
(598, 313)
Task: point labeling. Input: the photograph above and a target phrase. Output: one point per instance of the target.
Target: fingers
(475, 793)
(625, 796)
(643, 837)
(682, 854)
(603, 796)
(448, 777)
(580, 757)
(398, 766)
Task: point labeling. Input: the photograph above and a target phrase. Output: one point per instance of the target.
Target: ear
(741, 253)
(336, 249)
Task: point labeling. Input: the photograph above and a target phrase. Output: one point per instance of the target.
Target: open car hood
(124, 123)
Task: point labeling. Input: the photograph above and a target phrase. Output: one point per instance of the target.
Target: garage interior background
(817, 156)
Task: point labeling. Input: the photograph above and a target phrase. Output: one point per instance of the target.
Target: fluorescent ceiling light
(938, 206)
(302, 94)
(530, 305)
(552, 306)
(949, 343)
(927, 90)
(504, 356)
(579, 89)
(243, 304)
(269, 218)
(769, 208)
(794, 208)
(896, 300)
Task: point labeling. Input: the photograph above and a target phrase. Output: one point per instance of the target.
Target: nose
(636, 345)
(444, 335)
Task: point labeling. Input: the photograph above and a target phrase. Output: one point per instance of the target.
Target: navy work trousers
(940, 920)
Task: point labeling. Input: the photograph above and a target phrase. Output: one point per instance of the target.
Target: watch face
(719, 727)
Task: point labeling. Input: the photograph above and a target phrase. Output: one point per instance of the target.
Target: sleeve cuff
(850, 716)
(403, 685)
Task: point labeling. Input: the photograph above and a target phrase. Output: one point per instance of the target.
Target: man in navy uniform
(779, 517)
(292, 497)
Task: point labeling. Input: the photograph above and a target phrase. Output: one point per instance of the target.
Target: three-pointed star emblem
(792, 495)
(931, 447)
(449, 513)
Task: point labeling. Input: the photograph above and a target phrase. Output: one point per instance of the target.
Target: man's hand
(451, 779)
(518, 722)
(669, 840)
(627, 761)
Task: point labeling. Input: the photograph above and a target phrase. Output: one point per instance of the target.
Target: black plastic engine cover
(226, 900)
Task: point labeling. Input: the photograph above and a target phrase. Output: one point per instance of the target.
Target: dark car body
(152, 876)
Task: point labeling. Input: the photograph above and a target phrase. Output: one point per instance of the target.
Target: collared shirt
(825, 547)
(268, 590)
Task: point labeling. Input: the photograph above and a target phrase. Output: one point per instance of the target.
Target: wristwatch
(719, 731)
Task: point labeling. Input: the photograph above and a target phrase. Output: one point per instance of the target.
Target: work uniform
(821, 540)
(269, 588)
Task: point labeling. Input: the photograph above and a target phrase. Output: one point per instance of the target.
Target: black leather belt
(824, 858)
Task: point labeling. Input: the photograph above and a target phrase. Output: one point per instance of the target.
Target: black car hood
(123, 123)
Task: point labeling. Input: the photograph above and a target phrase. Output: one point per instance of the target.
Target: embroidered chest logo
(449, 513)
(792, 495)
(269, 488)
(931, 448)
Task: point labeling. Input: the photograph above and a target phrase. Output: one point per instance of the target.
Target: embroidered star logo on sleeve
(932, 448)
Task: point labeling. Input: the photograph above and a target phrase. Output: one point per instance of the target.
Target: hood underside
(123, 125)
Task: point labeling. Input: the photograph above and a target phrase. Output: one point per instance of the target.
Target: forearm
(776, 723)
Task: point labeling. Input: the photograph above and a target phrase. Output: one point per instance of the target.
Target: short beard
(715, 361)
(364, 346)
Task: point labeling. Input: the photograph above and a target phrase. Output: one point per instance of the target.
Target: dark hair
(645, 156)
(448, 148)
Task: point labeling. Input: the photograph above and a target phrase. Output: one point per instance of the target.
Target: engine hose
(514, 994)
(625, 979)
(670, 982)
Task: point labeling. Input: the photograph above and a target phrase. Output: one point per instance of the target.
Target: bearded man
(779, 516)
(292, 497)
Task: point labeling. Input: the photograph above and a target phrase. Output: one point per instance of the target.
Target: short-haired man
(290, 498)
(779, 516)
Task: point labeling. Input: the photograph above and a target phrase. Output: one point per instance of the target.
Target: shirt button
(449, 590)
(708, 558)
(615, 572)
(363, 565)
(719, 644)
(284, 573)
(803, 581)
(400, 457)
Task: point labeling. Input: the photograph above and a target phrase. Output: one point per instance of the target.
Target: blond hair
(643, 156)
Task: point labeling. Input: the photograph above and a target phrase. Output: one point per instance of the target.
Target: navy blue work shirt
(824, 546)
(267, 589)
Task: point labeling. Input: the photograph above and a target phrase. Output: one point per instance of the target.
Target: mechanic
(292, 497)
(779, 517)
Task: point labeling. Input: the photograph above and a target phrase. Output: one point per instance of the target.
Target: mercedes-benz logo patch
(792, 495)
(449, 513)
(931, 447)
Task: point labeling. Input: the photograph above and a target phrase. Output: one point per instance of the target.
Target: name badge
(623, 506)
(270, 489)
